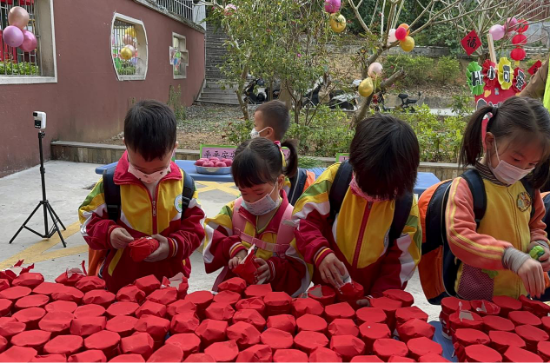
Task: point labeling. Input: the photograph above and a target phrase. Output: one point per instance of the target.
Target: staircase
(213, 93)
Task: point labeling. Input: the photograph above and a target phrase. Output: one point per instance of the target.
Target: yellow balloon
(366, 87)
(408, 44)
(131, 32)
(337, 23)
(126, 53)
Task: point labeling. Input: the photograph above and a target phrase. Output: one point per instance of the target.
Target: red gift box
(306, 306)
(366, 358)
(347, 346)
(311, 322)
(88, 356)
(389, 306)
(18, 354)
(70, 277)
(250, 316)
(235, 284)
(491, 322)
(31, 301)
(167, 353)
(543, 350)
(31, 339)
(180, 306)
(324, 355)
(45, 288)
(256, 353)
(61, 305)
(123, 325)
(5, 307)
(432, 358)
(395, 294)
(525, 318)
(395, 358)
(258, 290)
(423, 346)
(89, 283)
(89, 311)
(277, 303)
(28, 279)
(122, 308)
(532, 336)
(56, 323)
(385, 348)
(244, 334)
(212, 331)
(15, 293)
(402, 315)
(484, 307)
(151, 308)
(184, 323)
(227, 297)
(371, 332)
(371, 315)
(68, 293)
(127, 358)
(3, 344)
(341, 310)
(199, 357)
(130, 293)
(415, 328)
(343, 327)
(223, 351)
(506, 304)
(284, 322)
(538, 308)
(142, 248)
(30, 317)
(450, 305)
(155, 326)
(9, 326)
(501, 341)
(99, 297)
(322, 293)
(139, 343)
(515, 354)
(255, 303)
(220, 311)
(277, 339)
(106, 341)
(466, 337)
(308, 341)
(188, 342)
(247, 268)
(64, 344)
(50, 358)
(200, 298)
(4, 284)
(465, 319)
(351, 292)
(289, 355)
(164, 296)
(148, 284)
(481, 353)
(88, 326)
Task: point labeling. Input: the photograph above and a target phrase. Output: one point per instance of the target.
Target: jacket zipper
(518, 286)
(361, 234)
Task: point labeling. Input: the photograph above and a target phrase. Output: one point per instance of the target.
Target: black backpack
(339, 189)
(113, 201)
(436, 232)
(297, 183)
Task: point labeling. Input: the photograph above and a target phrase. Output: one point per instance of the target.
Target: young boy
(151, 187)
(360, 219)
(271, 121)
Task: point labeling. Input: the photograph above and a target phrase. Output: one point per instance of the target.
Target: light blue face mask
(262, 206)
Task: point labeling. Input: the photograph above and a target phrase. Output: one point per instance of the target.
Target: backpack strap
(339, 188)
(477, 188)
(111, 192)
(297, 184)
(187, 192)
(531, 191)
(401, 213)
(285, 234)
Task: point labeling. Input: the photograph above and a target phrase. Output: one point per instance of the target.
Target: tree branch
(359, 17)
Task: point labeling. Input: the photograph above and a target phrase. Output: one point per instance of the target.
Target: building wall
(88, 103)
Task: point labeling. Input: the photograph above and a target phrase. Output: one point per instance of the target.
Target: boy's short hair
(276, 116)
(150, 129)
(385, 156)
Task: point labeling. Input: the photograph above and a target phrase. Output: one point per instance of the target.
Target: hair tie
(484, 124)
(278, 143)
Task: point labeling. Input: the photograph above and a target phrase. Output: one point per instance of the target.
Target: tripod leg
(56, 227)
(58, 219)
(24, 223)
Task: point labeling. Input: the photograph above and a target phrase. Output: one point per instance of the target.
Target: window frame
(180, 38)
(138, 24)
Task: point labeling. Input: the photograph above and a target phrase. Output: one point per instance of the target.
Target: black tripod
(44, 203)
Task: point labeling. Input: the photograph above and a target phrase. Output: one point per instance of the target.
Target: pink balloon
(400, 33)
(29, 42)
(18, 17)
(375, 69)
(332, 6)
(510, 24)
(132, 49)
(128, 39)
(13, 36)
(497, 31)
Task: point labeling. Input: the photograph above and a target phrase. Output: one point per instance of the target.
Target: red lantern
(518, 54)
(519, 39)
(522, 26)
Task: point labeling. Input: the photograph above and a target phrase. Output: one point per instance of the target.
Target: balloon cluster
(15, 35)
(129, 50)
(406, 42)
(337, 21)
(366, 87)
(519, 40)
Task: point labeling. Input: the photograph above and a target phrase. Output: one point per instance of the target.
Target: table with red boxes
(76, 320)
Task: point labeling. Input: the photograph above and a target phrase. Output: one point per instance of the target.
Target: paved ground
(67, 185)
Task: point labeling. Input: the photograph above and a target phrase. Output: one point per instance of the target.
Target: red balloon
(518, 54)
(522, 26)
(400, 33)
(519, 39)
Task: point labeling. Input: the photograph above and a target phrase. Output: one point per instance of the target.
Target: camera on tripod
(39, 119)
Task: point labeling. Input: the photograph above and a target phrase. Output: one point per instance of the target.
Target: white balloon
(391, 36)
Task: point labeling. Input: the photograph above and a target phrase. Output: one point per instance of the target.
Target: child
(272, 120)
(151, 190)
(258, 219)
(505, 145)
(344, 225)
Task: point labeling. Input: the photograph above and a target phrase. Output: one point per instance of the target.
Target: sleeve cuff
(271, 269)
(513, 259)
(321, 254)
(173, 248)
(236, 248)
(542, 243)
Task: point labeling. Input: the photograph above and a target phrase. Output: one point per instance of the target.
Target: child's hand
(544, 259)
(234, 262)
(532, 276)
(160, 253)
(332, 270)
(262, 273)
(120, 238)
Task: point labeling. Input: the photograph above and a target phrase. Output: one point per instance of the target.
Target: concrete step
(214, 102)
(219, 97)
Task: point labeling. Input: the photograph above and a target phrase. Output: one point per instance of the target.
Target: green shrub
(447, 70)
(23, 69)
(423, 70)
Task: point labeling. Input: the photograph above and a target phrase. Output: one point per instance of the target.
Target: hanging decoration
(518, 84)
(332, 6)
(490, 73)
(505, 75)
(471, 42)
(337, 23)
(519, 40)
(16, 34)
(475, 78)
(535, 67)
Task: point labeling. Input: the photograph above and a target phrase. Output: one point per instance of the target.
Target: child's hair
(523, 120)
(385, 155)
(276, 115)
(150, 129)
(259, 161)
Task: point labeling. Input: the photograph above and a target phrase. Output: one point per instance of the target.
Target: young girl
(356, 239)
(505, 145)
(259, 219)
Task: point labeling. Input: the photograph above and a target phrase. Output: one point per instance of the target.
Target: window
(180, 56)
(35, 66)
(129, 48)
(183, 8)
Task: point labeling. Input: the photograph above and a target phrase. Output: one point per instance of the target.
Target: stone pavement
(67, 185)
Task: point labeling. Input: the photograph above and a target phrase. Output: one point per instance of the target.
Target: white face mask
(507, 173)
(262, 206)
(149, 178)
(254, 134)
